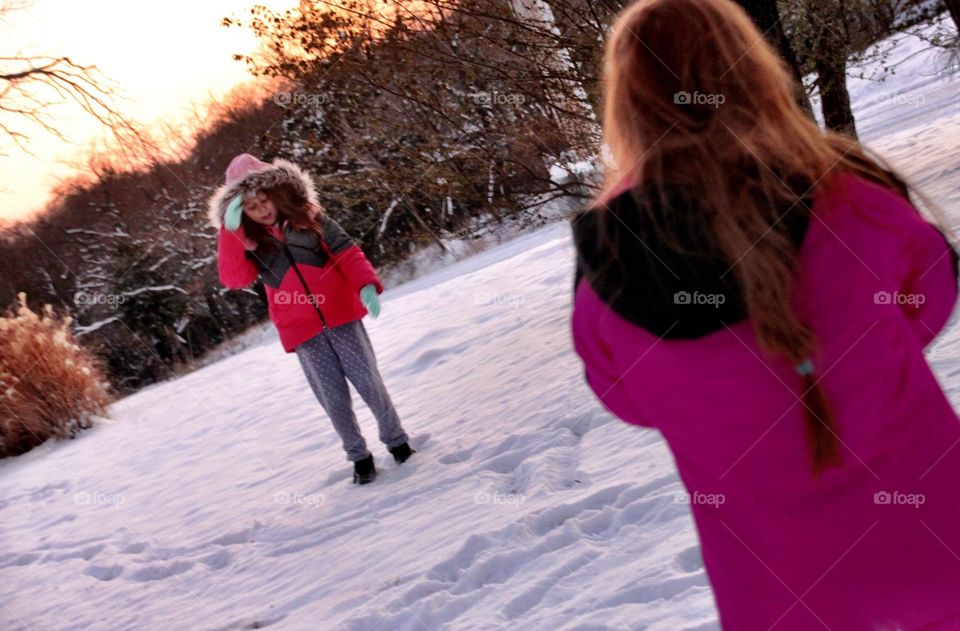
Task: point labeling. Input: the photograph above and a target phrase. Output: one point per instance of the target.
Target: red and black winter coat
(310, 283)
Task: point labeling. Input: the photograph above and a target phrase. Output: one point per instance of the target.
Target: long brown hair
(696, 98)
(299, 212)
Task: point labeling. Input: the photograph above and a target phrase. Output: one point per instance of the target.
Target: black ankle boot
(363, 471)
(401, 452)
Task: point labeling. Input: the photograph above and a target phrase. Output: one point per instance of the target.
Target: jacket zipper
(303, 281)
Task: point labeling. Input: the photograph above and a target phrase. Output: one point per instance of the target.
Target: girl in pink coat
(318, 284)
(761, 292)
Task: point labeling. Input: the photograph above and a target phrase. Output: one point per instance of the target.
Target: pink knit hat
(243, 164)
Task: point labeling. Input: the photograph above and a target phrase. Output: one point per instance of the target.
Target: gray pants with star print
(330, 358)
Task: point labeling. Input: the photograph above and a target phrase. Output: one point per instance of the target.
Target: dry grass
(50, 387)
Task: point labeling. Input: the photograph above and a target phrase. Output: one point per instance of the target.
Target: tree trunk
(766, 15)
(834, 98)
(954, 7)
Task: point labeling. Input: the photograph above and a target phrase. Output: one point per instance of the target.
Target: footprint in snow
(104, 572)
(160, 572)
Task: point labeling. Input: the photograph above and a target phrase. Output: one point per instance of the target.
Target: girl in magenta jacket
(761, 293)
(318, 285)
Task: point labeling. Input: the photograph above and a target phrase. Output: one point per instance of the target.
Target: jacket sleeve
(916, 263)
(599, 366)
(912, 261)
(929, 281)
(236, 270)
(349, 258)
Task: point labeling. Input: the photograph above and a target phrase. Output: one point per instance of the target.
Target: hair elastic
(805, 367)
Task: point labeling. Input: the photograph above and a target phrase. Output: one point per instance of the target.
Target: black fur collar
(671, 294)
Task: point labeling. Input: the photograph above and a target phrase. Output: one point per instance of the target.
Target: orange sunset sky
(161, 55)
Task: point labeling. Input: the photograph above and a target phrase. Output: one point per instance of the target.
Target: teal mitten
(231, 218)
(370, 300)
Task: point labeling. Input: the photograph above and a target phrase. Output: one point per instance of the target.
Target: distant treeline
(419, 121)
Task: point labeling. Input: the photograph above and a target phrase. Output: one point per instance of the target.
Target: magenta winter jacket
(872, 545)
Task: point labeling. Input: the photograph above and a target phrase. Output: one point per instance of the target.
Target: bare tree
(566, 92)
(766, 15)
(31, 84)
(478, 98)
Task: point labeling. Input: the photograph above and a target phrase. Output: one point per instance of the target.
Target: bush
(50, 387)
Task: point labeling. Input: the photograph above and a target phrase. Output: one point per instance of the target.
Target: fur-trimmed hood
(279, 172)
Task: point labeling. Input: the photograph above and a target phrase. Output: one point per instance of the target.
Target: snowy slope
(527, 502)
(913, 118)
(222, 500)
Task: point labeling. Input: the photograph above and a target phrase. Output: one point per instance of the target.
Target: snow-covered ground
(222, 500)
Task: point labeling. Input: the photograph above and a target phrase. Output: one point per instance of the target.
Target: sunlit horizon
(162, 62)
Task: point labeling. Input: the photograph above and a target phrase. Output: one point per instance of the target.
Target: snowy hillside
(222, 500)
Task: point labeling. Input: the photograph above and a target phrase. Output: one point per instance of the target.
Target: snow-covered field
(222, 500)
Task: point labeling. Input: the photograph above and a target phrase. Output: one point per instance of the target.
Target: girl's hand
(370, 300)
(231, 218)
